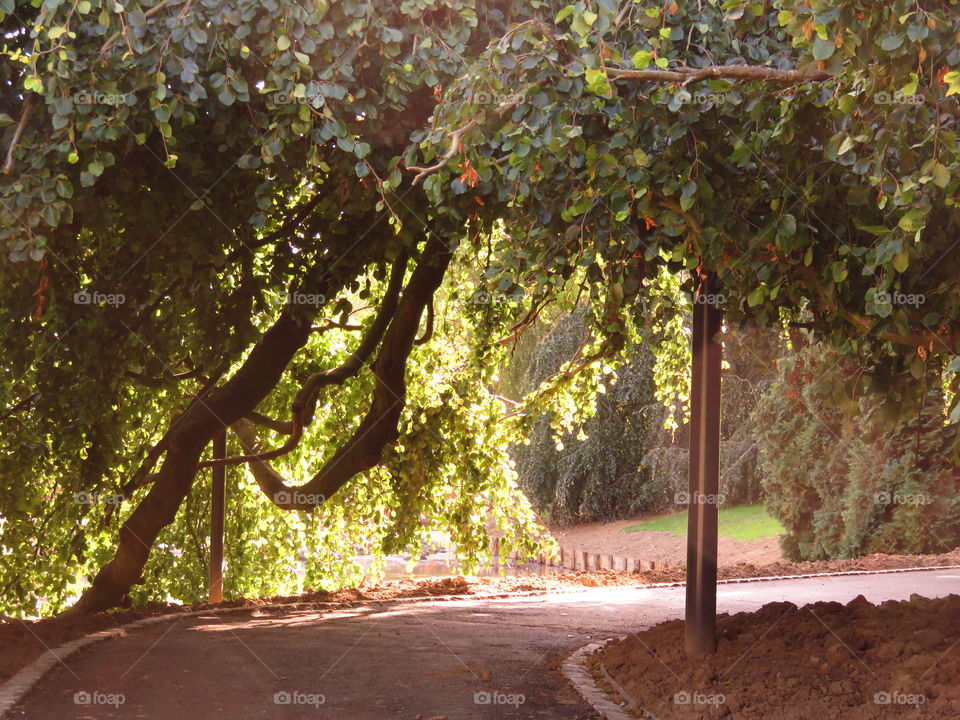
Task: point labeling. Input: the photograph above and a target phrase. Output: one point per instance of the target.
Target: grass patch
(743, 522)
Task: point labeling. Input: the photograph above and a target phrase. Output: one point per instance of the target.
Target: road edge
(17, 687)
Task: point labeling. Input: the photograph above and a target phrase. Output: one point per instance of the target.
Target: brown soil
(826, 661)
(659, 546)
(22, 641)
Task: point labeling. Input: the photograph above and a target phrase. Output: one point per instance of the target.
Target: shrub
(848, 482)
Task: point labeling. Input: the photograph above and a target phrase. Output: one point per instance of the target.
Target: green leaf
(641, 59)
(823, 49)
(563, 14)
(941, 175)
(914, 220)
(901, 261)
(283, 43)
(891, 42)
(787, 224)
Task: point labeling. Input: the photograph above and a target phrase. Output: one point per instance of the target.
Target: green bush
(849, 482)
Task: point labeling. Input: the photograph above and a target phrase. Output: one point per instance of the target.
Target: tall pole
(217, 503)
(704, 482)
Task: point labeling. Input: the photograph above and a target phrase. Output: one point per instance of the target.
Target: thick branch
(686, 75)
(428, 330)
(379, 427)
(18, 133)
(281, 426)
(305, 401)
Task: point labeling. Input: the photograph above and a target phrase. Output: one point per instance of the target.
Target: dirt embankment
(826, 661)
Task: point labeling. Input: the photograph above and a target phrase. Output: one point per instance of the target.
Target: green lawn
(745, 522)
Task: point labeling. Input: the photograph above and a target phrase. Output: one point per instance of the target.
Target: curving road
(431, 660)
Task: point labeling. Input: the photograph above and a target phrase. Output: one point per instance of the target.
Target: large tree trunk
(186, 440)
(239, 396)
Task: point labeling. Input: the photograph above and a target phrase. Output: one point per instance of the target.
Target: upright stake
(217, 502)
(701, 616)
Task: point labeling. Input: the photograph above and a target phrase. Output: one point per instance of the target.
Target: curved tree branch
(379, 427)
(428, 330)
(305, 401)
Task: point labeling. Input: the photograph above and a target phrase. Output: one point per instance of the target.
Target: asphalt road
(432, 660)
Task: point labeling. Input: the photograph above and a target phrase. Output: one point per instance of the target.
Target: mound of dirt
(826, 661)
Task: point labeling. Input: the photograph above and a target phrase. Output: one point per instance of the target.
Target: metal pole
(217, 503)
(704, 487)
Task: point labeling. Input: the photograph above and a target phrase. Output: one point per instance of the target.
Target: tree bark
(378, 428)
(190, 433)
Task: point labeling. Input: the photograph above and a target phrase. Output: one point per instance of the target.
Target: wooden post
(217, 503)
(704, 486)
(583, 560)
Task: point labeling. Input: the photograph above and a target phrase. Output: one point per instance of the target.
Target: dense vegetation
(844, 483)
(271, 216)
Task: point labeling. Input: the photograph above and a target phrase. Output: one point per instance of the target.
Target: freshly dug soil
(825, 661)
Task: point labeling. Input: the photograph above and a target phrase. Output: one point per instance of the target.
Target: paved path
(455, 660)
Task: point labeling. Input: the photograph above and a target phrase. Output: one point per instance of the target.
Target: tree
(619, 145)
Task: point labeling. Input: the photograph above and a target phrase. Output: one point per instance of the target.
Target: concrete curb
(576, 670)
